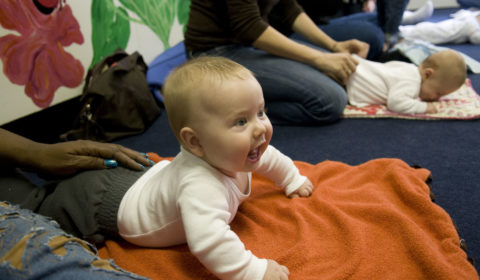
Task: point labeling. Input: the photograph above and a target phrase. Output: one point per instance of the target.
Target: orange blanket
(371, 221)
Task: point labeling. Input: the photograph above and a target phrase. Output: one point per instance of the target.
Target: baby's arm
(280, 169)
(206, 213)
(305, 190)
(431, 108)
(276, 271)
(403, 98)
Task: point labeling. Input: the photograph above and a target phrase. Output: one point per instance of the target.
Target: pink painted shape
(37, 58)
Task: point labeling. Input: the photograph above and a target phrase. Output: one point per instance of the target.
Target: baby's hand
(276, 271)
(305, 190)
(431, 108)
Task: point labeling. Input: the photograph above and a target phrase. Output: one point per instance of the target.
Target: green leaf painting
(182, 12)
(110, 28)
(111, 23)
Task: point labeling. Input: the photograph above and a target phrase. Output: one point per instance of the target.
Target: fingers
(276, 271)
(97, 153)
(350, 64)
(304, 191)
(94, 162)
(285, 271)
(135, 156)
(338, 66)
(347, 65)
(355, 46)
(110, 163)
(363, 52)
(361, 49)
(301, 192)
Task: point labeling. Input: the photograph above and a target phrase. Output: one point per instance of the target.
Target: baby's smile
(254, 155)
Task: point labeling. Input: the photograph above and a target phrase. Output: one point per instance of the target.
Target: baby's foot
(474, 37)
(419, 15)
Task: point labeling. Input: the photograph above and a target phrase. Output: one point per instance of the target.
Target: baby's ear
(191, 141)
(428, 72)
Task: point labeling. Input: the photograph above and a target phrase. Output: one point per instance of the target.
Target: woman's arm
(64, 158)
(305, 26)
(15, 150)
(338, 66)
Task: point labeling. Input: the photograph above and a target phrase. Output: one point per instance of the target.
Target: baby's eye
(262, 113)
(241, 122)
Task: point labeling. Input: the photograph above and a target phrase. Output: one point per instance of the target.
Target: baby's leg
(455, 30)
(474, 38)
(421, 14)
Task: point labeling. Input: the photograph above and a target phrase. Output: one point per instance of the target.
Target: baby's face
(234, 130)
(433, 90)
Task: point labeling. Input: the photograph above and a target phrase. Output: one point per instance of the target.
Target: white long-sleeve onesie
(462, 27)
(395, 84)
(188, 201)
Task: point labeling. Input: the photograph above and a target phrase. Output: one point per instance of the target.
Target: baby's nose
(259, 129)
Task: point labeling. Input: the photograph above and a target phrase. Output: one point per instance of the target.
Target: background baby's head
(442, 73)
(194, 84)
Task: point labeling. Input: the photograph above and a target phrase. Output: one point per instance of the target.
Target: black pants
(85, 205)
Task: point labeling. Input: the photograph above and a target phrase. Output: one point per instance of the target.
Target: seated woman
(302, 82)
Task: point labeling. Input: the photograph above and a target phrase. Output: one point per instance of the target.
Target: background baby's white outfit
(187, 200)
(462, 27)
(395, 84)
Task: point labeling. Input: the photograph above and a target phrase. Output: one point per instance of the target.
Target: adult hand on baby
(276, 271)
(338, 66)
(305, 190)
(353, 46)
(68, 158)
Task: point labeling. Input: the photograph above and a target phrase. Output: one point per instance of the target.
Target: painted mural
(46, 46)
(36, 58)
(111, 23)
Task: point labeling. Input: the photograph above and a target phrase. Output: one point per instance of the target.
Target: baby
(217, 112)
(403, 87)
(462, 27)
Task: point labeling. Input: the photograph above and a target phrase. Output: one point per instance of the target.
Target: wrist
(32, 157)
(334, 46)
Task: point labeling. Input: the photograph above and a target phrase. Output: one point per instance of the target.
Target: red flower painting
(34, 56)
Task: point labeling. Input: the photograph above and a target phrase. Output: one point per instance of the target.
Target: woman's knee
(319, 107)
(330, 109)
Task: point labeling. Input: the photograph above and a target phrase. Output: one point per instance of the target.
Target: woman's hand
(63, 159)
(353, 46)
(338, 66)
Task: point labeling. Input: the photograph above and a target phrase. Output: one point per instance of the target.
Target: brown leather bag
(116, 100)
